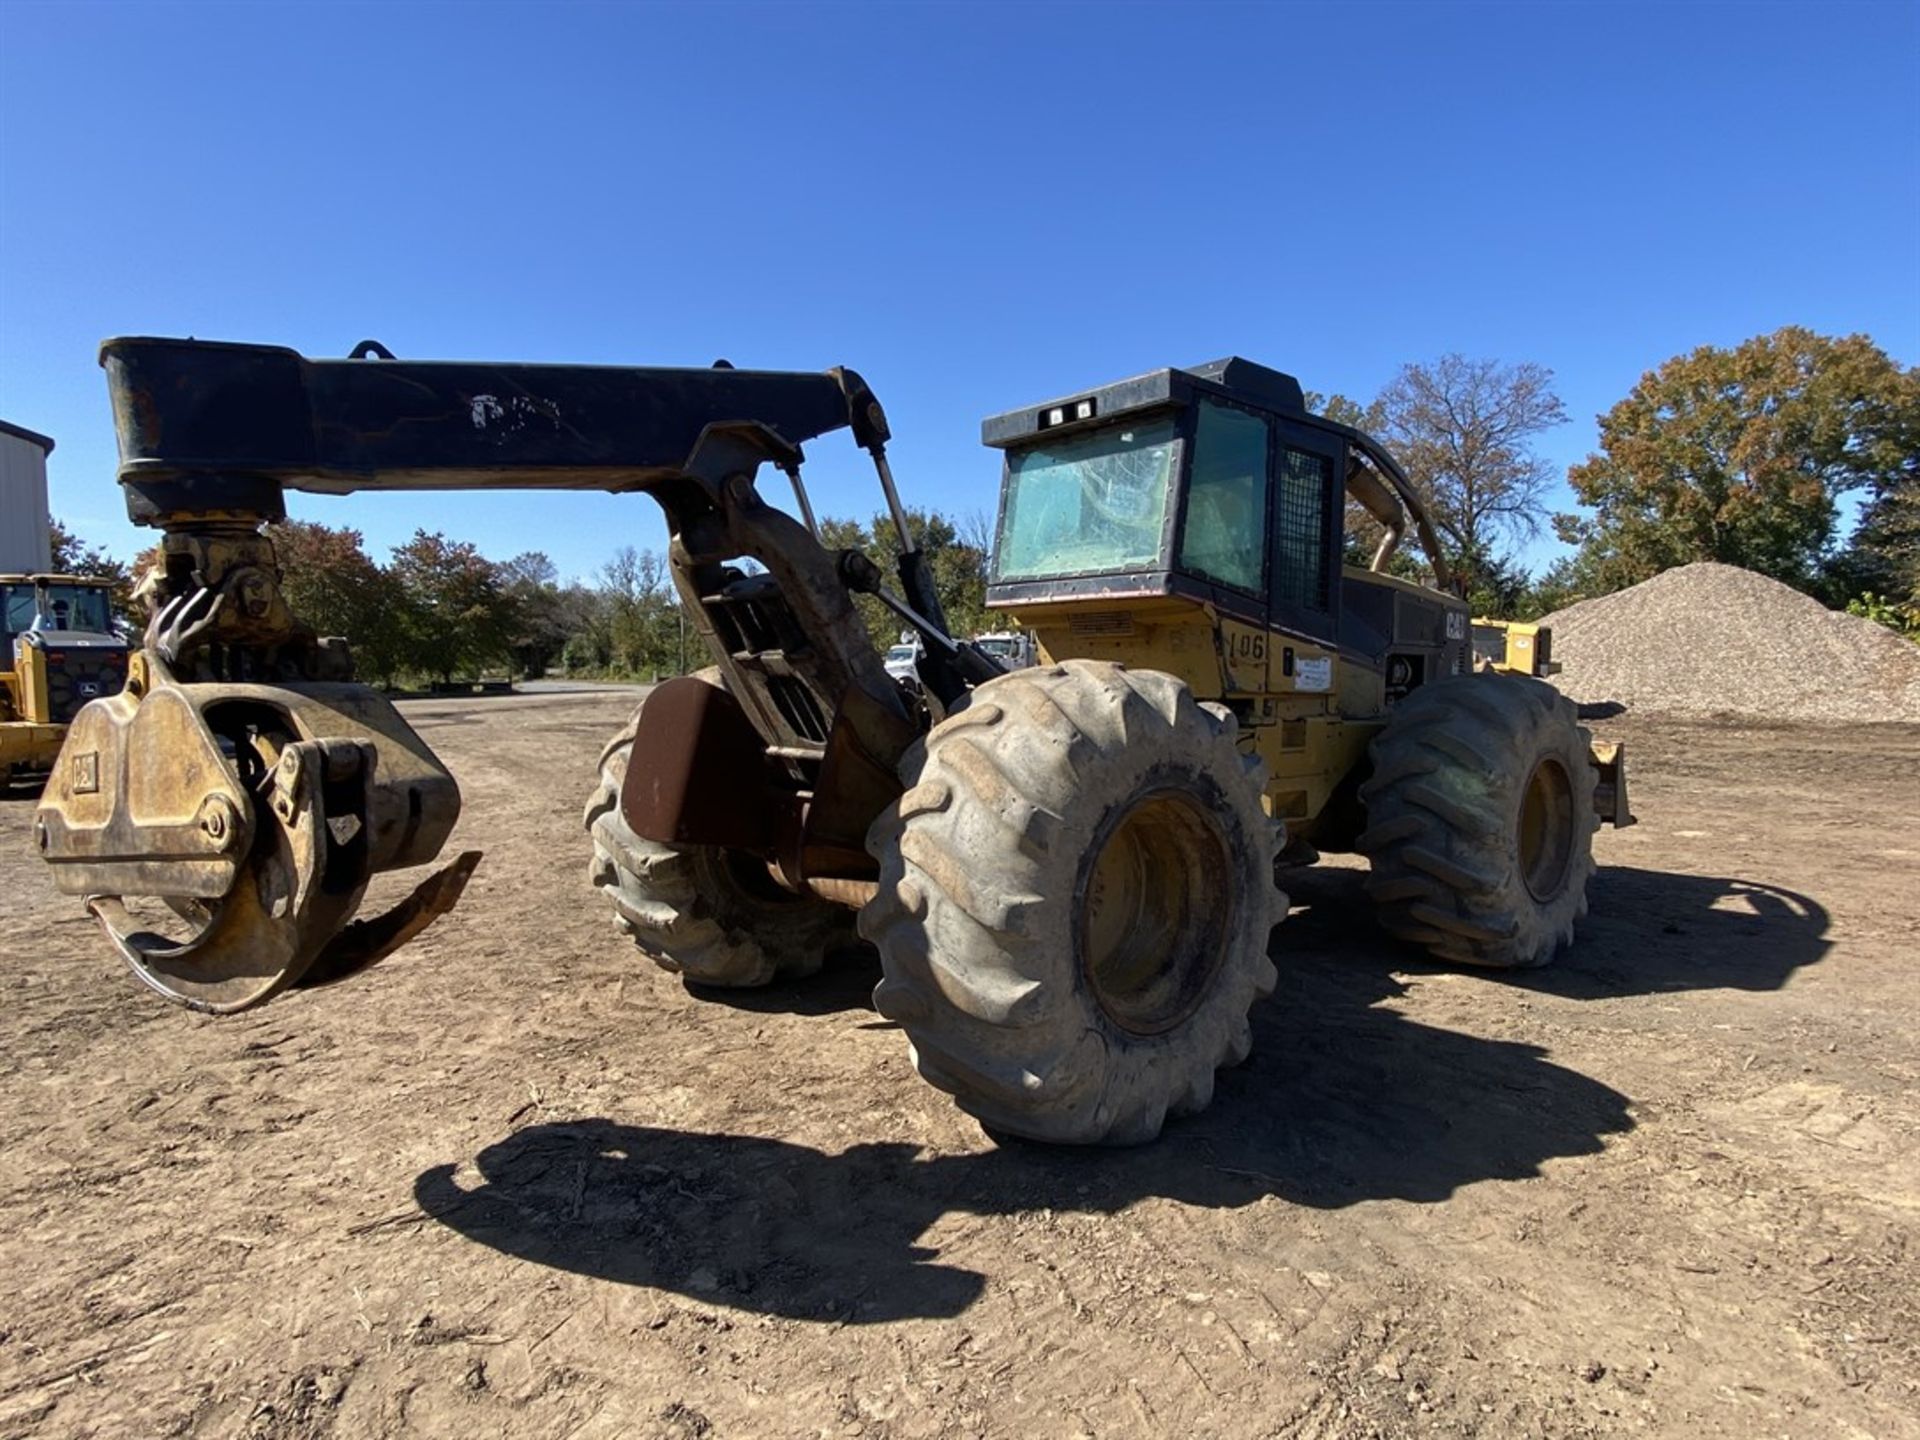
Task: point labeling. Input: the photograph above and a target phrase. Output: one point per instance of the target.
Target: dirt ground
(517, 1182)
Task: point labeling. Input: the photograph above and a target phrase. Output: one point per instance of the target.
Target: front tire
(1480, 820)
(1076, 895)
(710, 915)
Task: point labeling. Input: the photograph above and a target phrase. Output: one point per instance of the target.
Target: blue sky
(978, 206)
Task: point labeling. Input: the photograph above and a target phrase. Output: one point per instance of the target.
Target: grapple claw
(182, 621)
(242, 957)
(257, 815)
(365, 943)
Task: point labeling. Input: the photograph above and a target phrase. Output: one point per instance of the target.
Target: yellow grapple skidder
(1068, 870)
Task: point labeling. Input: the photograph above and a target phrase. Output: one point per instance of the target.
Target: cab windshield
(53, 607)
(1087, 504)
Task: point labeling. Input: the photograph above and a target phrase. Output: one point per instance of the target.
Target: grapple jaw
(255, 814)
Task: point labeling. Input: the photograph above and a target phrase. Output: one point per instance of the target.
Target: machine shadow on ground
(1649, 931)
(1344, 1100)
(846, 983)
(1341, 1103)
(1654, 931)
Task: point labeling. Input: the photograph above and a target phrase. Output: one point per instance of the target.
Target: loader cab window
(1226, 526)
(1087, 504)
(70, 607)
(16, 614)
(16, 609)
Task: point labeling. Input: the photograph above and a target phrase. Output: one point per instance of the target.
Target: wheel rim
(1155, 910)
(1546, 829)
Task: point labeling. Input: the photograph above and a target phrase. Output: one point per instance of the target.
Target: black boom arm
(204, 425)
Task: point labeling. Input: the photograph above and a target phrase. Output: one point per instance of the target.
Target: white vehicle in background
(1013, 649)
(903, 660)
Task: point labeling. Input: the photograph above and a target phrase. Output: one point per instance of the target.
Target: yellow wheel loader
(58, 650)
(1069, 871)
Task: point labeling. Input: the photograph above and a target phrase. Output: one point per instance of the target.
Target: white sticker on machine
(1314, 674)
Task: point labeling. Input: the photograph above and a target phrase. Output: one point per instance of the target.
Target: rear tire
(709, 915)
(1076, 895)
(1480, 820)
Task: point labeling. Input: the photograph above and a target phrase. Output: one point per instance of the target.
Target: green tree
(582, 613)
(643, 629)
(1499, 587)
(540, 618)
(958, 561)
(336, 587)
(1883, 557)
(1559, 585)
(1902, 619)
(1740, 455)
(458, 613)
(1342, 411)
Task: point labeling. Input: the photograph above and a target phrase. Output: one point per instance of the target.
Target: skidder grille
(798, 707)
(1103, 623)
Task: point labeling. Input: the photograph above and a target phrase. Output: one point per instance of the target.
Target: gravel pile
(1713, 639)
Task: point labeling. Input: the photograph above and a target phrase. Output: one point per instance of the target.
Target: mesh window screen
(1300, 557)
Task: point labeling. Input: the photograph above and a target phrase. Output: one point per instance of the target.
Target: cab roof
(1232, 378)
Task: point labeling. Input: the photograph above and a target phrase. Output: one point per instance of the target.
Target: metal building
(26, 541)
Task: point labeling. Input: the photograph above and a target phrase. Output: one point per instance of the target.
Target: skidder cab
(1068, 871)
(1192, 521)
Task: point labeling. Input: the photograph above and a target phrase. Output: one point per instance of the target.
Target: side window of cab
(1224, 539)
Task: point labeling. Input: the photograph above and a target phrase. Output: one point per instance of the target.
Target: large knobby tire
(1076, 894)
(1480, 820)
(710, 915)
